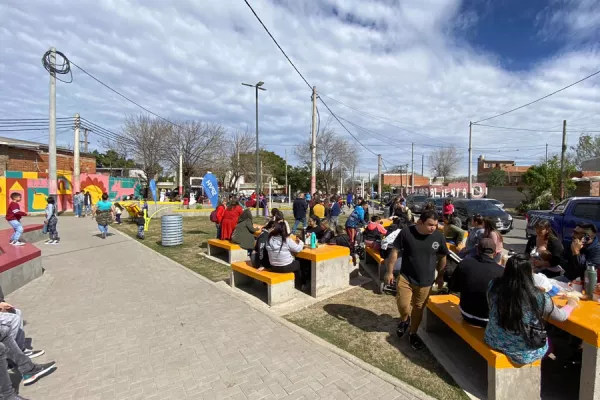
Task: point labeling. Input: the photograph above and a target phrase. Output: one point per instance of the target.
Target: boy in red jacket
(13, 216)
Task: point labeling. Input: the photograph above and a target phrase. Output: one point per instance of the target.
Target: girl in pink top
(491, 232)
(448, 207)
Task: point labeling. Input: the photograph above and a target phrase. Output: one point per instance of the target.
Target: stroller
(359, 243)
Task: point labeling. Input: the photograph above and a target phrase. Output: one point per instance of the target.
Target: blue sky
(419, 70)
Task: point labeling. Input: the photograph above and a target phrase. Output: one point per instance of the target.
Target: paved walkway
(123, 322)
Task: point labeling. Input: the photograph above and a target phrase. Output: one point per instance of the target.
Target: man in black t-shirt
(423, 250)
(472, 279)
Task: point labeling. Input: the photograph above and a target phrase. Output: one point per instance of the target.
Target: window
(560, 207)
(587, 211)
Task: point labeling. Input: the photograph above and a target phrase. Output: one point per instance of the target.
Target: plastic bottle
(591, 278)
(313, 241)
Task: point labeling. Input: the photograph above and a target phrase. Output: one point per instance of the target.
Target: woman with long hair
(104, 212)
(244, 231)
(490, 231)
(230, 218)
(545, 241)
(517, 313)
(280, 248)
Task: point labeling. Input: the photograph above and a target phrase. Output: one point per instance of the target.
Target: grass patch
(363, 324)
(197, 231)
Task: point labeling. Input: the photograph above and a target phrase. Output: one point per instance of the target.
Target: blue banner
(153, 188)
(211, 188)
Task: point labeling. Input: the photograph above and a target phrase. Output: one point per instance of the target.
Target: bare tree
(200, 145)
(444, 161)
(333, 153)
(142, 139)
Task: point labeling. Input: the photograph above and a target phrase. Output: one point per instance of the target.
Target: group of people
(82, 204)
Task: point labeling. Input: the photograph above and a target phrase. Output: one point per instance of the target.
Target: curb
(303, 333)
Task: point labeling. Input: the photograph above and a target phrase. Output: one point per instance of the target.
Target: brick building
(400, 180)
(514, 173)
(26, 156)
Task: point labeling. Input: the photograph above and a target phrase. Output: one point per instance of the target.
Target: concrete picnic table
(584, 323)
(329, 268)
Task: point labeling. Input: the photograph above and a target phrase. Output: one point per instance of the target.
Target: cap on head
(486, 246)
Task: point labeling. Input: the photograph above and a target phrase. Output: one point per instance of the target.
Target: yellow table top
(584, 321)
(323, 252)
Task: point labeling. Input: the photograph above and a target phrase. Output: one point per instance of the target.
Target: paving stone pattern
(125, 323)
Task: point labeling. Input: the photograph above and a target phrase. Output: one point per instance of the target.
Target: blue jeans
(77, 209)
(140, 233)
(218, 231)
(103, 228)
(303, 220)
(16, 225)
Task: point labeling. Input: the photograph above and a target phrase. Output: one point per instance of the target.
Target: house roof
(26, 144)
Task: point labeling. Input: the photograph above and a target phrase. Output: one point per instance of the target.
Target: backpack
(213, 217)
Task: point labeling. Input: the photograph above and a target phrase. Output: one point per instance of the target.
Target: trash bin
(171, 230)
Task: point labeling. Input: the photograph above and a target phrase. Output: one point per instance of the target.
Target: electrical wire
(33, 120)
(517, 129)
(55, 69)
(540, 99)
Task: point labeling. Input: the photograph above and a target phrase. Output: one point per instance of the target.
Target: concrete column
(514, 383)
(280, 292)
(329, 276)
(589, 381)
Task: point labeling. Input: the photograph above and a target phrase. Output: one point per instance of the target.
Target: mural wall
(33, 188)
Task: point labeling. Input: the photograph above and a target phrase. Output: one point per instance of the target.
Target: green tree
(299, 179)
(272, 164)
(587, 147)
(543, 183)
(496, 177)
(112, 159)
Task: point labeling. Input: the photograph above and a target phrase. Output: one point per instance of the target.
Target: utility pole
(379, 184)
(313, 145)
(353, 168)
(76, 165)
(52, 128)
(546, 152)
(85, 140)
(422, 164)
(181, 172)
(286, 180)
(412, 160)
(470, 160)
(257, 87)
(562, 160)
(406, 172)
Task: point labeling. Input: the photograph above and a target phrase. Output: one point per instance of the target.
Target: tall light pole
(258, 178)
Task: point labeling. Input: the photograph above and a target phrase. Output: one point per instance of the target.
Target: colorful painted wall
(33, 188)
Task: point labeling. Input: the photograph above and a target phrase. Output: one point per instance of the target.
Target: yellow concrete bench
(372, 256)
(217, 248)
(506, 380)
(280, 286)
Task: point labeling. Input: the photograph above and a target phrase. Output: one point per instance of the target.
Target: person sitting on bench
(453, 233)
(280, 248)
(472, 278)
(314, 226)
(374, 232)
(243, 234)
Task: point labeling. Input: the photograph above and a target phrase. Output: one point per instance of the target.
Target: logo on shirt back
(435, 245)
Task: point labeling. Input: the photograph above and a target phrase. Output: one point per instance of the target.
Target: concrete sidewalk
(123, 322)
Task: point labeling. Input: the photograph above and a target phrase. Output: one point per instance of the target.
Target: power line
(517, 129)
(540, 99)
(275, 41)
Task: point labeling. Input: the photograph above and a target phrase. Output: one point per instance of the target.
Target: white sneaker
(53, 242)
(18, 244)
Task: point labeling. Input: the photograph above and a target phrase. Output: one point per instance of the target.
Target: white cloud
(399, 60)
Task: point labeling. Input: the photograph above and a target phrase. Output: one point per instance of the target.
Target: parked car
(565, 216)
(416, 202)
(466, 209)
(497, 203)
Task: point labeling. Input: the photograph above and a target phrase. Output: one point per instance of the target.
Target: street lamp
(258, 179)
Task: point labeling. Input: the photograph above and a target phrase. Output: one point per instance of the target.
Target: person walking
(300, 207)
(104, 212)
(334, 213)
(230, 219)
(51, 221)
(13, 217)
(423, 250)
(87, 203)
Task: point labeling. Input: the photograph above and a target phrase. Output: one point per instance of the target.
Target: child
(141, 223)
(448, 208)
(118, 212)
(374, 233)
(342, 239)
(13, 217)
(51, 221)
